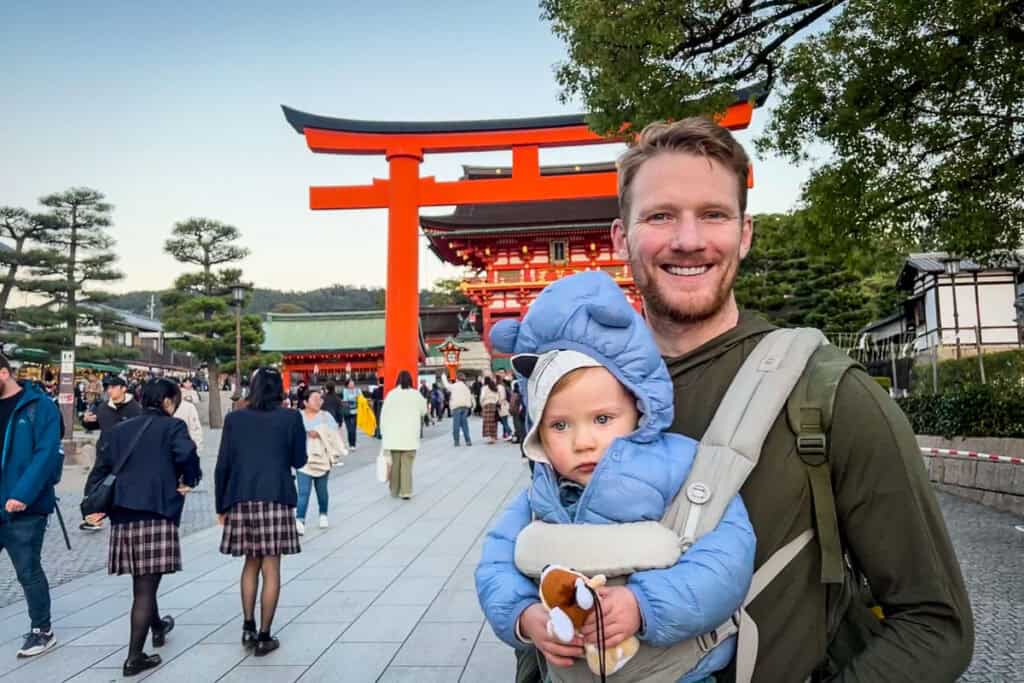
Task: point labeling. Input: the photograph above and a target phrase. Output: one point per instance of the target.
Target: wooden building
(515, 249)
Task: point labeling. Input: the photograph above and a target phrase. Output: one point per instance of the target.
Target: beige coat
(462, 397)
(400, 420)
(188, 413)
(322, 453)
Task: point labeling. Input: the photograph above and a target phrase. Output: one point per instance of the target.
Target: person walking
(332, 403)
(30, 465)
(489, 398)
(461, 404)
(349, 396)
(377, 395)
(323, 447)
(401, 417)
(120, 405)
(156, 465)
(518, 410)
(255, 498)
(188, 412)
(503, 408)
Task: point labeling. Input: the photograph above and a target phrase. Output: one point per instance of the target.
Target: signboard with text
(66, 391)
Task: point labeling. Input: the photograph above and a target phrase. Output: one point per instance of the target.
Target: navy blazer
(258, 451)
(163, 459)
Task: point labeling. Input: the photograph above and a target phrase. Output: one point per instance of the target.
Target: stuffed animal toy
(570, 597)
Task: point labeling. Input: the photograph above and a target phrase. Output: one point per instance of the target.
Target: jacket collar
(116, 406)
(749, 325)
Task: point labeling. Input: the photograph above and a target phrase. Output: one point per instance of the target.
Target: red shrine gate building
(517, 248)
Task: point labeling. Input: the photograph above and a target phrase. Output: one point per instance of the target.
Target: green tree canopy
(27, 234)
(917, 104)
(791, 286)
(198, 305)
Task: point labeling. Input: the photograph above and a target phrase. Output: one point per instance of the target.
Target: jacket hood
(588, 312)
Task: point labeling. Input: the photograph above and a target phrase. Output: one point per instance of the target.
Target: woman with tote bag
(400, 420)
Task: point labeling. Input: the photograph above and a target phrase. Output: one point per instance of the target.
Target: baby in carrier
(600, 399)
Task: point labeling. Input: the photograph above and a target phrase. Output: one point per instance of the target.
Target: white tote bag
(383, 466)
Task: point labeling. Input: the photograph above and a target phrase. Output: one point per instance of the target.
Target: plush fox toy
(569, 598)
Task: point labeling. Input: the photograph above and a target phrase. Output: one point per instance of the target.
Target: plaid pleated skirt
(256, 528)
(491, 421)
(148, 546)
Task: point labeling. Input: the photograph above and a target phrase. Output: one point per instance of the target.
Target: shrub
(1005, 368)
(968, 410)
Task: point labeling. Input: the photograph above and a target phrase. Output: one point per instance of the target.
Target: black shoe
(265, 647)
(140, 663)
(89, 526)
(160, 634)
(248, 639)
(37, 642)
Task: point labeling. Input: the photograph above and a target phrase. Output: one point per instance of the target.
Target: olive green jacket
(888, 519)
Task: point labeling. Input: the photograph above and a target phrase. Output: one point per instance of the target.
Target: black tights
(270, 567)
(145, 613)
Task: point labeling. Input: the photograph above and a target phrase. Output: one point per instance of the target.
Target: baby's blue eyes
(561, 425)
(603, 419)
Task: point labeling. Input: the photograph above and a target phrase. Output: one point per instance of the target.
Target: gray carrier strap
(732, 443)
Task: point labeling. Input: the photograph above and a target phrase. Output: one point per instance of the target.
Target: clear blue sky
(173, 110)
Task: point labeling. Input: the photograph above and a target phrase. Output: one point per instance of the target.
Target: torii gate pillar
(403, 144)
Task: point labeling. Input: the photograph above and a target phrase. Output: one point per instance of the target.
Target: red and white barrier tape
(974, 455)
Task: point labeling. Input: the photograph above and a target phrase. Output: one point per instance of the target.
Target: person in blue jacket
(30, 467)
(603, 456)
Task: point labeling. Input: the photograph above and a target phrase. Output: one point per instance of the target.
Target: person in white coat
(400, 420)
(189, 413)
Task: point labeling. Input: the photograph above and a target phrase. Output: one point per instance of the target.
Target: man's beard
(658, 305)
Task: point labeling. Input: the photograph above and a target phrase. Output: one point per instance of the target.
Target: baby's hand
(621, 616)
(533, 624)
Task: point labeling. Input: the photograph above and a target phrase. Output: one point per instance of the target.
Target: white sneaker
(301, 526)
(323, 521)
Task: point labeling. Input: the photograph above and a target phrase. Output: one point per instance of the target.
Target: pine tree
(198, 305)
(79, 255)
(27, 233)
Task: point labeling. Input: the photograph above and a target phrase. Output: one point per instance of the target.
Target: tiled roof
(599, 211)
(347, 331)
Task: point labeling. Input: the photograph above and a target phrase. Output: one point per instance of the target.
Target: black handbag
(101, 497)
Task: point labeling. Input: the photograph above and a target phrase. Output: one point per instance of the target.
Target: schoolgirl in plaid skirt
(260, 447)
(156, 465)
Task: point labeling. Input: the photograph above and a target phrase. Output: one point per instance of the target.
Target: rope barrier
(972, 455)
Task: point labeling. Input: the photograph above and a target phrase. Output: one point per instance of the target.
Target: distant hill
(333, 298)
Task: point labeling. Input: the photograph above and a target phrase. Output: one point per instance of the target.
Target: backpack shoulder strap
(809, 412)
(731, 446)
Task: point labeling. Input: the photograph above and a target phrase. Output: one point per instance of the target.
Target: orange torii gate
(403, 144)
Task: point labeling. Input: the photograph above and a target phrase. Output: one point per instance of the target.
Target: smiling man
(684, 229)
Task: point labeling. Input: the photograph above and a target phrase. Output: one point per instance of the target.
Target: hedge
(969, 410)
(1005, 368)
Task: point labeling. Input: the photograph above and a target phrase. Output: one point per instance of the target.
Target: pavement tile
(437, 644)
(384, 623)
(455, 606)
(202, 662)
(369, 579)
(422, 674)
(411, 590)
(300, 644)
(265, 674)
(300, 593)
(433, 565)
(178, 641)
(59, 665)
(66, 636)
(231, 632)
(193, 594)
(337, 607)
(490, 662)
(359, 661)
(101, 613)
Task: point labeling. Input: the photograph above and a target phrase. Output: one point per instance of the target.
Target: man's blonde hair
(695, 135)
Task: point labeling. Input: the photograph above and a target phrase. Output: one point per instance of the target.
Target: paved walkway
(385, 594)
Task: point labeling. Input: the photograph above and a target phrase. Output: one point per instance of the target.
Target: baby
(600, 399)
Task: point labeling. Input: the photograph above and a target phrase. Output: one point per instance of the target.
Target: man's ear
(620, 241)
(746, 235)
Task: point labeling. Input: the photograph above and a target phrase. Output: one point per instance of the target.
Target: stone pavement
(386, 593)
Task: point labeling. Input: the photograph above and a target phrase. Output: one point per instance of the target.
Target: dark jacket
(163, 458)
(107, 418)
(31, 460)
(888, 518)
(333, 406)
(258, 451)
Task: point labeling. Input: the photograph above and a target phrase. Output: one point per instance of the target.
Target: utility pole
(152, 307)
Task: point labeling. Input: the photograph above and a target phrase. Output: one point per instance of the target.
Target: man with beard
(684, 229)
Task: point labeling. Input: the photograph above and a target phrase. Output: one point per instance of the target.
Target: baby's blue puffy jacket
(635, 480)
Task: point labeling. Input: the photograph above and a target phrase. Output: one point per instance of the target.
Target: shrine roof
(339, 331)
(300, 120)
(596, 212)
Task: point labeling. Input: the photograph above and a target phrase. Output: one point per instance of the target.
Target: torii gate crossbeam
(403, 144)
